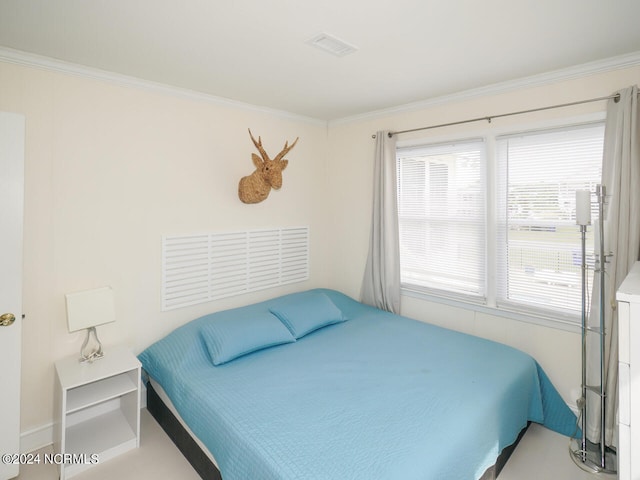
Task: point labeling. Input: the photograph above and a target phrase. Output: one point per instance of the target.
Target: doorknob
(7, 319)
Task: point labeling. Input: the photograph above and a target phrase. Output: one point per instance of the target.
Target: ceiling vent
(331, 44)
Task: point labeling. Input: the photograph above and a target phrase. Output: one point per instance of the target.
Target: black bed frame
(208, 471)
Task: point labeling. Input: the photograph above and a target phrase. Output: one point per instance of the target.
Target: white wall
(351, 160)
(109, 170)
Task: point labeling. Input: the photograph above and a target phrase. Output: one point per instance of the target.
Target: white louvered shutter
(201, 268)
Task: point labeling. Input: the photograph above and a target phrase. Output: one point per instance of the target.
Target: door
(11, 215)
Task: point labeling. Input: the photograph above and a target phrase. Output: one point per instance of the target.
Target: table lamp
(87, 310)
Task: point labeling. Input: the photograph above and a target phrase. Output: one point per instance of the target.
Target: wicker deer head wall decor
(267, 175)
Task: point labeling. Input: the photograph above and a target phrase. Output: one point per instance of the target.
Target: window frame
(489, 306)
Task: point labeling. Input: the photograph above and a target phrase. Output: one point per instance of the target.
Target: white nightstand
(97, 410)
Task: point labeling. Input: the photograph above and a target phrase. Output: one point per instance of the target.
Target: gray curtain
(621, 177)
(381, 282)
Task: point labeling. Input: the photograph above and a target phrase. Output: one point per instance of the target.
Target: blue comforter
(377, 397)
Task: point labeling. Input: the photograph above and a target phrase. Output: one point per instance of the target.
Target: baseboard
(36, 438)
(42, 436)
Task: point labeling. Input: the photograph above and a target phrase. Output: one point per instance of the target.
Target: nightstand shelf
(109, 434)
(100, 391)
(97, 409)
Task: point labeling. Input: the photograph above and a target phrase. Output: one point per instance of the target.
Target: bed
(315, 385)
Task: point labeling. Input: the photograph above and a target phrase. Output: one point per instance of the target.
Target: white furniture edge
(97, 409)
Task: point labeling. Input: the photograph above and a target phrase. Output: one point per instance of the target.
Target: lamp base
(94, 353)
(590, 459)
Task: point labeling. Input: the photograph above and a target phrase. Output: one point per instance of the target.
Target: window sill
(558, 323)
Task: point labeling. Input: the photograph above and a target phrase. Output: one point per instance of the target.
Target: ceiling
(255, 51)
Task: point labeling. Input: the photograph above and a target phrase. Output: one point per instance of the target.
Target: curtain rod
(489, 118)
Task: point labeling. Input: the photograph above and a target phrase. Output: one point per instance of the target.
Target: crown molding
(579, 71)
(22, 58)
(26, 59)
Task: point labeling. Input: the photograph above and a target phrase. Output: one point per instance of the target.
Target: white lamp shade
(583, 207)
(90, 308)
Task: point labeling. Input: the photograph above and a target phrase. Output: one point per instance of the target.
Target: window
(441, 213)
(539, 249)
(532, 262)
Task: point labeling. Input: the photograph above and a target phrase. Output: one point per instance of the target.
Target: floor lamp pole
(586, 456)
(583, 398)
(601, 194)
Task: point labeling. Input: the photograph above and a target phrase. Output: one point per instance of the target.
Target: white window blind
(441, 213)
(538, 241)
(200, 268)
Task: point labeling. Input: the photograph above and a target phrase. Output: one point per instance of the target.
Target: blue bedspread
(378, 396)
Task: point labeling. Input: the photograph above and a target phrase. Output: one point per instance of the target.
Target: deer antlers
(263, 153)
(267, 175)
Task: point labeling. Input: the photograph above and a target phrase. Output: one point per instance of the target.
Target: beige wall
(109, 170)
(351, 154)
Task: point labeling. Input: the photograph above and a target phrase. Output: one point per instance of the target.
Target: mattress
(169, 405)
(374, 396)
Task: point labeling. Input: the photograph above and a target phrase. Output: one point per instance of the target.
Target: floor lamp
(591, 457)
